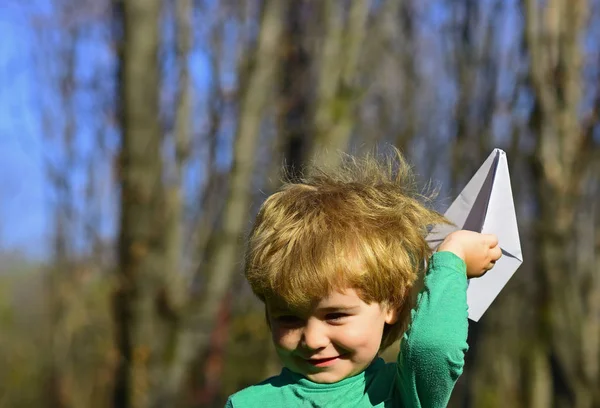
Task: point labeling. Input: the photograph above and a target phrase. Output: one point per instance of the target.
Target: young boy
(334, 258)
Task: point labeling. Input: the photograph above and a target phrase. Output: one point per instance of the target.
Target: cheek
(364, 334)
(362, 337)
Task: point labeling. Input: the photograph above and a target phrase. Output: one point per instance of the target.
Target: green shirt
(430, 361)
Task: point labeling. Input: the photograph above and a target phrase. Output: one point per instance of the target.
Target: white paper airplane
(486, 205)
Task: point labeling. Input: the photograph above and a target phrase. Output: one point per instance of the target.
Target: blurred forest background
(165, 123)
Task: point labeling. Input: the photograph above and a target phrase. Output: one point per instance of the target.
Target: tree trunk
(294, 94)
(141, 253)
(174, 289)
(337, 92)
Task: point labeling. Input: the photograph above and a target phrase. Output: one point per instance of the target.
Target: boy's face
(338, 338)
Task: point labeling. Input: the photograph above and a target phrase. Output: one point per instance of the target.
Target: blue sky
(26, 92)
(22, 203)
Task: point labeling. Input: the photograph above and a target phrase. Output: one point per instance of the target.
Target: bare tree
(475, 61)
(141, 252)
(204, 219)
(225, 245)
(337, 91)
(59, 172)
(294, 116)
(172, 295)
(564, 148)
(390, 108)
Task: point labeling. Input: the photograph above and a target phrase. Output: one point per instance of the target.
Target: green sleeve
(433, 349)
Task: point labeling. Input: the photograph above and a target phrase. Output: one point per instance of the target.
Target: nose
(314, 336)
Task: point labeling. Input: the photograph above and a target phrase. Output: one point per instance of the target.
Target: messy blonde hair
(361, 225)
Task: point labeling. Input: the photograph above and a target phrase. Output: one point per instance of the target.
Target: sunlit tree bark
(337, 92)
(174, 288)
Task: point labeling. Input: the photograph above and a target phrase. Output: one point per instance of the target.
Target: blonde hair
(361, 225)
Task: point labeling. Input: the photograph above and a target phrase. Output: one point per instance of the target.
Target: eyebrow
(334, 308)
(339, 308)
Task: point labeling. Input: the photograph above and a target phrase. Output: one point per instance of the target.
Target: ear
(391, 315)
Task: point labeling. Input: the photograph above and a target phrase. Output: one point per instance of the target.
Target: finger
(491, 240)
(495, 253)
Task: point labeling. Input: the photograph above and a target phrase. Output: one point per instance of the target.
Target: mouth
(322, 362)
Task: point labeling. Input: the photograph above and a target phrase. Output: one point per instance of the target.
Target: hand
(479, 251)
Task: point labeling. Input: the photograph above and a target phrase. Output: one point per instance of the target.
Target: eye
(288, 320)
(335, 317)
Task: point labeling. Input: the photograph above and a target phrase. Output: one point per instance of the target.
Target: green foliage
(22, 359)
(72, 357)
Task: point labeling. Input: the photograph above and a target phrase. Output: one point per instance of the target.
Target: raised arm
(433, 350)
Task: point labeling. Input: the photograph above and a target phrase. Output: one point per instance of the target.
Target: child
(334, 258)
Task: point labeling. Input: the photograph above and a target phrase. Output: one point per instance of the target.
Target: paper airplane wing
(486, 205)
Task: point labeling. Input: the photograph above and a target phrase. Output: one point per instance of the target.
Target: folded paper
(486, 205)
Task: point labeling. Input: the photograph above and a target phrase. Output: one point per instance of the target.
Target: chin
(326, 377)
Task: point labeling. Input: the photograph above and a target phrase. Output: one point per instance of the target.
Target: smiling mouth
(322, 362)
